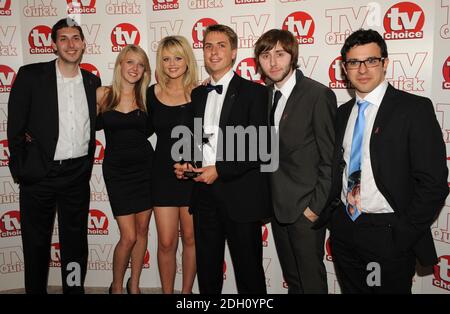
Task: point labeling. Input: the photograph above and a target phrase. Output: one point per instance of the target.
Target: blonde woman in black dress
(128, 160)
(169, 105)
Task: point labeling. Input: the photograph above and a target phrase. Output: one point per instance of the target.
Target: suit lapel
(294, 99)
(229, 100)
(51, 85)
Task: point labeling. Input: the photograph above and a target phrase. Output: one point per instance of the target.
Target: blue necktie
(354, 169)
(217, 88)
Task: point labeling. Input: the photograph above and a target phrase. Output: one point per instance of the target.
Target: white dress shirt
(372, 201)
(286, 91)
(74, 122)
(213, 109)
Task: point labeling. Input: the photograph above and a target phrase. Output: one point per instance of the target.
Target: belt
(68, 161)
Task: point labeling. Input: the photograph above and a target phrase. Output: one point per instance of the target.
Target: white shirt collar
(376, 96)
(288, 86)
(224, 80)
(77, 79)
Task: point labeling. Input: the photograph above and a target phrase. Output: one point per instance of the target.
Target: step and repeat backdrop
(418, 38)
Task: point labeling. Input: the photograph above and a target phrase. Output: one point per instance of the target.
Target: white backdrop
(418, 38)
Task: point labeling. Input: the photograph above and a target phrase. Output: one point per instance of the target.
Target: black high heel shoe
(110, 289)
(127, 286)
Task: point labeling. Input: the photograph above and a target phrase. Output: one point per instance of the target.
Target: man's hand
(208, 174)
(310, 215)
(181, 168)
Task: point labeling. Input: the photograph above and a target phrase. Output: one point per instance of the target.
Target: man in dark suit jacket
(231, 195)
(398, 185)
(302, 112)
(51, 134)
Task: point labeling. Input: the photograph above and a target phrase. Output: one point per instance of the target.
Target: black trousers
(64, 190)
(366, 257)
(300, 250)
(212, 227)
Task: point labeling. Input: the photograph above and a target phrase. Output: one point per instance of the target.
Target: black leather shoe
(128, 286)
(110, 289)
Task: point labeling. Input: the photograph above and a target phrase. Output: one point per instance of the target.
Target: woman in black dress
(169, 105)
(128, 160)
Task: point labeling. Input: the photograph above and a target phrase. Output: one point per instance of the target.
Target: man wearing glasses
(389, 176)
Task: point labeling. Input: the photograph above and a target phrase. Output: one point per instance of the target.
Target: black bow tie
(217, 88)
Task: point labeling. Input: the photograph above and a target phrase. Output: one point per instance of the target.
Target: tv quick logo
(440, 228)
(99, 154)
(4, 153)
(338, 79)
(3, 120)
(38, 8)
(198, 31)
(446, 74)
(91, 68)
(55, 255)
(248, 28)
(100, 256)
(403, 71)
(159, 5)
(5, 7)
(307, 66)
(11, 260)
(10, 224)
(344, 21)
(266, 264)
(40, 40)
(9, 191)
(248, 1)
(81, 6)
(124, 34)
(247, 69)
(98, 189)
(97, 223)
(123, 7)
(265, 236)
(162, 29)
(6, 39)
(442, 273)
(302, 25)
(404, 20)
(7, 77)
(445, 29)
(204, 4)
(90, 38)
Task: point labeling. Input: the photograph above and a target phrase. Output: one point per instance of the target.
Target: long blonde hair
(179, 46)
(140, 89)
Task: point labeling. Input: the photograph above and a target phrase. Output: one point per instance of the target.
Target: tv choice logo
(246, 68)
(328, 253)
(81, 6)
(224, 268)
(198, 31)
(265, 236)
(204, 4)
(6, 41)
(97, 223)
(146, 260)
(38, 8)
(338, 79)
(159, 5)
(124, 34)
(123, 7)
(5, 7)
(4, 153)
(55, 255)
(10, 224)
(90, 68)
(248, 1)
(99, 153)
(40, 40)
(404, 20)
(7, 77)
(442, 273)
(446, 74)
(302, 25)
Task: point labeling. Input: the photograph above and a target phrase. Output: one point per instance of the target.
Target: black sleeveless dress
(167, 190)
(128, 160)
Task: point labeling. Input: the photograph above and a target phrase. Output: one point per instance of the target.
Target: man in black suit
(51, 134)
(302, 113)
(231, 195)
(389, 176)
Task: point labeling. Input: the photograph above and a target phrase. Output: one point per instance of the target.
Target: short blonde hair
(179, 46)
(140, 89)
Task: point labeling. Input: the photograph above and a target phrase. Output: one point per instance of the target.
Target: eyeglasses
(369, 63)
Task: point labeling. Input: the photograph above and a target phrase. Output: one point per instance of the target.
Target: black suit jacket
(306, 142)
(408, 159)
(33, 109)
(241, 185)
